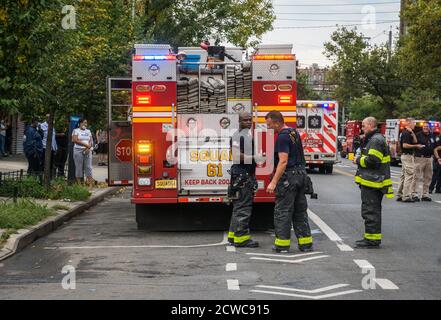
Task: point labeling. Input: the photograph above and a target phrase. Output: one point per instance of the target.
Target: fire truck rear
(317, 123)
(183, 115)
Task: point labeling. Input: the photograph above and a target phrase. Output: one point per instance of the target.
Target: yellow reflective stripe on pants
(372, 236)
(282, 243)
(371, 184)
(362, 161)
(242, 239)
(306, 240)
(376, 153)
(230, 234)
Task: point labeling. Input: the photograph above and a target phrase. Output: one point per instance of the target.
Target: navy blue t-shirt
(285, 144)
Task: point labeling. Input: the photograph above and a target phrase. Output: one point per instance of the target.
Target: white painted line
(438, 201)
(336, 286)
(308, 297)
(223, 242)
(233, 284)
(231, 267)
(331, 234)
(386, 284)
(364, 264)
(325, 228)
(344, 247)
(285, 256)
(289, 261)
(231, 248)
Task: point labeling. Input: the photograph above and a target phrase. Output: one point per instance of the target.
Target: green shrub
(21, 214)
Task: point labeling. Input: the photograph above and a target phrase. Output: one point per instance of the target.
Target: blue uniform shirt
(285, 144)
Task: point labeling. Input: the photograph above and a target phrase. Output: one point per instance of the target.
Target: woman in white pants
(82, 152)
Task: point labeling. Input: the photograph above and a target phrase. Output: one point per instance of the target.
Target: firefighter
(373, 177)
(243, 184)
(289, 184)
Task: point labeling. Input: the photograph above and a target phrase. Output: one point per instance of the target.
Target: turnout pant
(371, 212)
(242, 209)
(291, 210)
(423, 170)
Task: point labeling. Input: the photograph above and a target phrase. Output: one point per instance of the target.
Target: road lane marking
(438, 201)
(231, 248)
(231, 267)
(336, 286)
(233, 284)
(223, 242)
(331, 234)
(386, 284)
(364, 264)
(289, 261)
(285, 256)
(330, 295)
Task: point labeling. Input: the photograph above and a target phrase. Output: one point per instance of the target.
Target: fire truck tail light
(144, 159)
(159, 88)
(285, 99)
(143, 100)
(144, 147)
(143, 88)
(269, 87)
(151, 57)
(273, 57)
(145, 170)
(285, 87)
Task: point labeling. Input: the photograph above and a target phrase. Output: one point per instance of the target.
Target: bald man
(373, 177)
(243, 183)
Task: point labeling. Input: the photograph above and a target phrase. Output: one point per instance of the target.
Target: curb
(24, 237)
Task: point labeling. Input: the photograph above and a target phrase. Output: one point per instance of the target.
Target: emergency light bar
(161, 57)
(330, 106)
(274, 57)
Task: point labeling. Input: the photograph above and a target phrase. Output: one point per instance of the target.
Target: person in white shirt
(82, 152)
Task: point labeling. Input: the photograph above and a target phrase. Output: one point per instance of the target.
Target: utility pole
(389, 45)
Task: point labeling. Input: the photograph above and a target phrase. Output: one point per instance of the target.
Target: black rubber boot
(367, 244)
(247, 244)
(281, 249)
(306, 248)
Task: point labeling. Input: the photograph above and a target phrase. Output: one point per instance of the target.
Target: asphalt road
(113, 260)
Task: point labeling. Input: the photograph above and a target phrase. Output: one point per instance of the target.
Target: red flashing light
(274, 57)
(152, 57)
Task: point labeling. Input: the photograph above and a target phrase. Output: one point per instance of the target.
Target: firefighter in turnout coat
(373, 177)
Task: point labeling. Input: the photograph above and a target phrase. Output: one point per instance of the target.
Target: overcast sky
(374, 19)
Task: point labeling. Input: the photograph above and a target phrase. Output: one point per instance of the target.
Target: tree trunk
(48, 155)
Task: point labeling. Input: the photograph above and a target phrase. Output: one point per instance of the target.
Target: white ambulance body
(317, 123)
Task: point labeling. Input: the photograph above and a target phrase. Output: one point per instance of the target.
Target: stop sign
(123, 150)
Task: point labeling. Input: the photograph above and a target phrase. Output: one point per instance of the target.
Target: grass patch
(30, 187)
(15, 216)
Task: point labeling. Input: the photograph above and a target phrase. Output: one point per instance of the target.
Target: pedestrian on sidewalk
(102, 150)
(82, 152)
(2, 138)
(45, 128)
(62, 139)
(423, 161)
(408, 143)
(33, 148)
(373, 177)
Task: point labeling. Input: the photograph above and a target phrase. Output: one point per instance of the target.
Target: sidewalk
(18, 162)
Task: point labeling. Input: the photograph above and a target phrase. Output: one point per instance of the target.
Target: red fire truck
(317, 123)
(394, 128)
(181, 117)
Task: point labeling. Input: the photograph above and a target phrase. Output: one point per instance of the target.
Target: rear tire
(322, 169)
(329, 168)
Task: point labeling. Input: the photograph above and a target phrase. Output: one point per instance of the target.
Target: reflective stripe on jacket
(374, 164)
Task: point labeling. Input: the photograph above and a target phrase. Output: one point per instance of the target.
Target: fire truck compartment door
(204, 152)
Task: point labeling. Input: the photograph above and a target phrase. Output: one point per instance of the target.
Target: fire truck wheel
(322, 169)
(329, 168)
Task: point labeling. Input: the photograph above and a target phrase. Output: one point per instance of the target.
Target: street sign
(123, 150)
